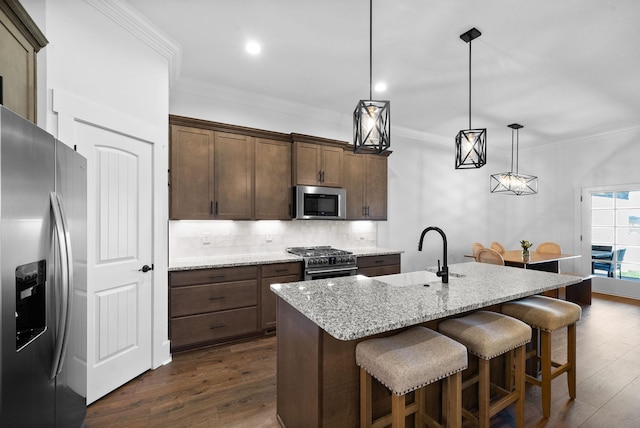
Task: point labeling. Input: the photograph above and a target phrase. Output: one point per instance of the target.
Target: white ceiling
(564, 69)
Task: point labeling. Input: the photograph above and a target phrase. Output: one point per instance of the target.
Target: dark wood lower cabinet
(274, 274)
(212, 306)
(207, 328)
(208, 306)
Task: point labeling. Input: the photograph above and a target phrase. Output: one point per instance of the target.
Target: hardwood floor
(235, 385)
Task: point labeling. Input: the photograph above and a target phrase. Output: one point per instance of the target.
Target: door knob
(146, 268)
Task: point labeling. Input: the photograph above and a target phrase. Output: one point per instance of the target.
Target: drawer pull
(213, 327)
(379, 261)
(217, 298)
(216, 276)
(282, 270)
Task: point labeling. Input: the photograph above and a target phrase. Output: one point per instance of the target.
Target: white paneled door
(119, 295)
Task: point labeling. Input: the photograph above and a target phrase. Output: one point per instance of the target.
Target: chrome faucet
(444, 272)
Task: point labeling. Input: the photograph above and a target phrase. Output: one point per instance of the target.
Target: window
(615, 234)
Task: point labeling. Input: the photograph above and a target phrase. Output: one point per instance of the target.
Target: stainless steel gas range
(325, 262)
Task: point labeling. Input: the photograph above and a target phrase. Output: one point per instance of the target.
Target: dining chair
(612, 267)
(475, 247)
(497, 246)
(549, 248)
(487, 255)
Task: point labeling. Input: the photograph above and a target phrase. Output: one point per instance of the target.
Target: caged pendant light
(471, 144)
(514, 182)
(371, 119)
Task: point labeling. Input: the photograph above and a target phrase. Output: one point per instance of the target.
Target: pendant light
(471, 144)
(514, 182)
(371, 118)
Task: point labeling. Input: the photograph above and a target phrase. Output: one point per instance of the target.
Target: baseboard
(615, 298)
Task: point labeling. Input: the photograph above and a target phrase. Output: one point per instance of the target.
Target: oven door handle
(346, 269)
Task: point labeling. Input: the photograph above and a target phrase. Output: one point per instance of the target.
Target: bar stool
(546, 315)
(405, 362)
(488, 335)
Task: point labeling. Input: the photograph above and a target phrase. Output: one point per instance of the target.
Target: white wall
(234, 107)
(94, 58)
(426, 190)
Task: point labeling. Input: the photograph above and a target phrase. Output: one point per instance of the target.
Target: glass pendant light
(471, 144)
(513, 182)
(371, 118)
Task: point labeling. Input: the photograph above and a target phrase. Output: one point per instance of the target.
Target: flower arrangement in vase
(525, 247)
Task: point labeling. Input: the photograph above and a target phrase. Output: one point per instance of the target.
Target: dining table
(547, 262)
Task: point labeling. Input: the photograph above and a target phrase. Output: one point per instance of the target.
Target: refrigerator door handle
(66, 276)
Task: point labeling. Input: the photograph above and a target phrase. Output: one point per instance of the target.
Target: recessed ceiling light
(253, 47)
(380, 87)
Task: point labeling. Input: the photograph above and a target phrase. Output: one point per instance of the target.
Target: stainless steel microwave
(319, 203)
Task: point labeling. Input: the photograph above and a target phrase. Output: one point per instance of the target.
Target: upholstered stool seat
(488, 335)
(406, 362)
(546, 315)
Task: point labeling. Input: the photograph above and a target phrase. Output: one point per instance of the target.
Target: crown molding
(255, 100)
(137, 24)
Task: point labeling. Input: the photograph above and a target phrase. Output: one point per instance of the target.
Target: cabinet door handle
(217, 210)
(364, 211)
(323, 176)
(282, 270)
(211, 207)
(217, 298)
(213, 327)
(216, 276)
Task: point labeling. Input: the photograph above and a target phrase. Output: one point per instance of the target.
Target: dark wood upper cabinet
(226, 172)
(233, 183)
(272, 180)
(365, 178)
(20, 41)
(220, 171)
(317, 164)
(191, 161)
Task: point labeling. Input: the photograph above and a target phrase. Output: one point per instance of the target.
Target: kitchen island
(320, 323)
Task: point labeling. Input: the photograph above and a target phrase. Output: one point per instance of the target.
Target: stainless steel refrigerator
(43, 264)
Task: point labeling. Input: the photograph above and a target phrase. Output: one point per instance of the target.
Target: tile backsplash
(221, 238)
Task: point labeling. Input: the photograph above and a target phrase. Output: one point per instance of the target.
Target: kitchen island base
(318, 379)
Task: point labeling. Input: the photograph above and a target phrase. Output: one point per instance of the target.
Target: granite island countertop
(353, 307)
(191, 263)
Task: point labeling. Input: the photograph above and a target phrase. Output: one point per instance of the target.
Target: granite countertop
(353, 307)
(191, 263)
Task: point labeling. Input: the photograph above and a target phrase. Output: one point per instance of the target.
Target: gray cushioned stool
(488, 335)
(546, 314)
(405, 362)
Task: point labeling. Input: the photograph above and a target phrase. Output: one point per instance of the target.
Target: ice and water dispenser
(31, 310)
